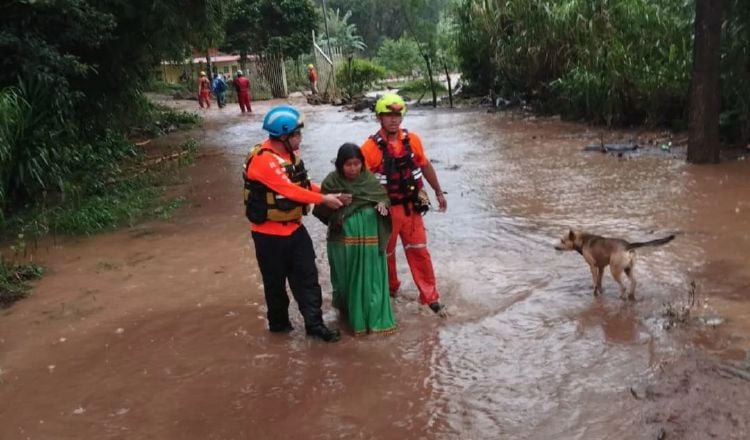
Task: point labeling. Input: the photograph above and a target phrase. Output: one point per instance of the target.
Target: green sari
(357, 237)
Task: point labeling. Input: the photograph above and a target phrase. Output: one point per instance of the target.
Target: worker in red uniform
(242, 87)
(397, 159)
(204, 90)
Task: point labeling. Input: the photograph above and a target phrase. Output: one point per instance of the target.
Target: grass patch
(165, 88)
(14, 280)
(420, 87)
(122, 205)
(164, 120)
(136, 194)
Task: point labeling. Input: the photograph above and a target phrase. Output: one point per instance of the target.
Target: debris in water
(120, 331)
(712, 321)
(80, 410)
(611, 148)
(679, 313)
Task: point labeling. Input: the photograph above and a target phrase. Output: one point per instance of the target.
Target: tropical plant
(614, 62)
(71, 85)
(341, 34)
(376, 20)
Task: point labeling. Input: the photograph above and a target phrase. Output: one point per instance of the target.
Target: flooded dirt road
(158, 331)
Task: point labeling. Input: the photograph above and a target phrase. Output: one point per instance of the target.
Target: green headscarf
(366, 191)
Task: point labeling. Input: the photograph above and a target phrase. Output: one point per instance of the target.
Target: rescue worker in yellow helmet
(312, 75)
(278, 193)
(204, 89)
(398, 160)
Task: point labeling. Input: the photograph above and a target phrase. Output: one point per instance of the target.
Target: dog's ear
(571, 234)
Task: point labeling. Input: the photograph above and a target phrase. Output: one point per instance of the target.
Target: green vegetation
(343, 35)
(165, 88)
(136, 191)
(270, 26)
(626, 62)
(70, 98)
(418, 88)
(14, 280)
(358, 74)
(400, 57)
(162, 120)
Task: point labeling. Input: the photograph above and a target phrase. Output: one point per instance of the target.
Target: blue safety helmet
(282, 120)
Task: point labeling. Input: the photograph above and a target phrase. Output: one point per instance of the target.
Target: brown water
(527, 353)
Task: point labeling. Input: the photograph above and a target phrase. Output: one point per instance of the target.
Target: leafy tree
(241, 29)
(399, 56)
(376, 20)
(287, 26)
(271, 26)
(209, 30)
(71, 81)
(421, 17)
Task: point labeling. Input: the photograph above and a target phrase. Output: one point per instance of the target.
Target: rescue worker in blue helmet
(278, 193)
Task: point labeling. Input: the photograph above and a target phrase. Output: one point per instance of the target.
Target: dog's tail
(656, 242)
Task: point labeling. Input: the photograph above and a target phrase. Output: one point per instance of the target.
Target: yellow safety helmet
(310, 66)
(203, 73)
(390, 103)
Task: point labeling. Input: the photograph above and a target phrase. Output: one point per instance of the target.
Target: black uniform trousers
(289, 258)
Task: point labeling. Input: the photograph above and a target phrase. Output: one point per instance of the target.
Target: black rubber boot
(439, 309)
(284, 328)
(324, 333)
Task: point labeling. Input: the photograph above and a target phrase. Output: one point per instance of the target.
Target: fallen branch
(676, 314)
(735, 371)
(154, 161)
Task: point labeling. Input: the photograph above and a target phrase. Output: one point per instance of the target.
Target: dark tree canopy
(280, 26)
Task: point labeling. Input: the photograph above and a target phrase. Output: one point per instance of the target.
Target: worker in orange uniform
(397, 159)
(242, 87)
(312, 75)
(278, 193)
(204, 89)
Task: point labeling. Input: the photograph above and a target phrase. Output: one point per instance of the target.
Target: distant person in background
(219, 89)
(242, 87)
(312, 75)
(204, 90)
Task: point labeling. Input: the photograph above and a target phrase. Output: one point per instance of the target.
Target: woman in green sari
(357, 236)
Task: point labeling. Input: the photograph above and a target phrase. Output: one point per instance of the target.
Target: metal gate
(267, 76)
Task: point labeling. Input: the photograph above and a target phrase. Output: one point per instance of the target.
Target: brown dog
(602, 251)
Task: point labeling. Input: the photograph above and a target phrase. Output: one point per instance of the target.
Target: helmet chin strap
(289, 148)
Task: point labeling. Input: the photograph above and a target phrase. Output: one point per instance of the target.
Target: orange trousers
(414, 239)
(203, 98)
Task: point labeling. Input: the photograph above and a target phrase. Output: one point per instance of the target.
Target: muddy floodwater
(173, 344)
